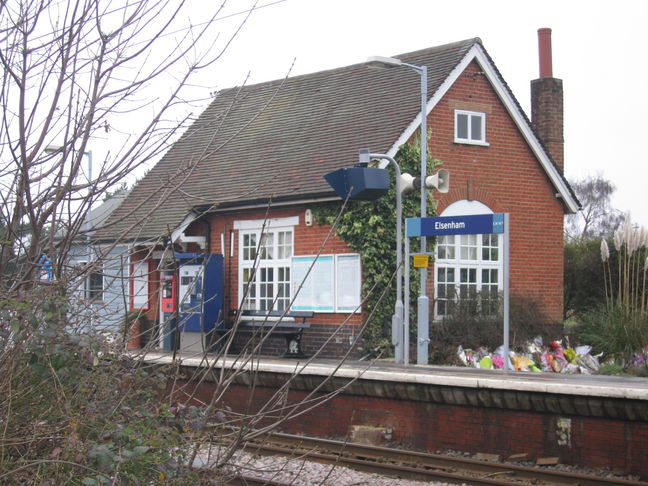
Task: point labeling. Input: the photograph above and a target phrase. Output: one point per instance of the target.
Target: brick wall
(308, 240)
(507, 177)
(587, 441)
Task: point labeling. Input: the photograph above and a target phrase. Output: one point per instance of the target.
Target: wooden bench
(291, 326)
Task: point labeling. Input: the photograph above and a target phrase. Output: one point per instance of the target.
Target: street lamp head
(363, 158)
(384, 62)
(53, 149)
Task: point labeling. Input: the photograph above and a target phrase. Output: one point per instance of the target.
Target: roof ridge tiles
(467, 43)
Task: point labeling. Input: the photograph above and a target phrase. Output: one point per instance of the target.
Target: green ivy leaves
(369, 228)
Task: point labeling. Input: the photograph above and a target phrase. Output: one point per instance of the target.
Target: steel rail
(423, 466)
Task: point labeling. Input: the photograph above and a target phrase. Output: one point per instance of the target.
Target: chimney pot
(544, 50)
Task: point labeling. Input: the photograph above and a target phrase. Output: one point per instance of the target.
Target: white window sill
(471, 142)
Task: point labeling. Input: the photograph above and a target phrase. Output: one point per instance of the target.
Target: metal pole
(406, 317)
(505, 285)
(423, 301)
(397, 318)
(88, 229)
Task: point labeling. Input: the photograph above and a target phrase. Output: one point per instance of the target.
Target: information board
(333, 284)
(317, 289)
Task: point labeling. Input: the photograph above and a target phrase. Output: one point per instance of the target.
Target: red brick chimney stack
(547, 102)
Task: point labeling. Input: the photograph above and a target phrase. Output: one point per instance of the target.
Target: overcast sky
(599, 51)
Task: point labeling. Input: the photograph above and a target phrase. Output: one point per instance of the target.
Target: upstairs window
(470, 127)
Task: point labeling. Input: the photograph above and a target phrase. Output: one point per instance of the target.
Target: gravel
(301, 472)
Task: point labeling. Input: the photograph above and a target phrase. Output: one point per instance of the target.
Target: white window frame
(270, 229)
(458, 208)
(88, 291)
(458, 264)
(469, 139)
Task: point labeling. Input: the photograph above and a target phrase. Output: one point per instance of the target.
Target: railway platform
(586, 420)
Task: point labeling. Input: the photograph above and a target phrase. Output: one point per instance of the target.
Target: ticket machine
(199, 298)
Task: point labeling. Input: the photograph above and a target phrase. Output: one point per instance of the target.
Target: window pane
(250, 302)
(267, 246)
(95, 286)
(462, 126)
(442, 308)
(468, 247)
(489, 276)
(445, 247)
(284, 245)
(283, 288)
(476, 127)
(249, 246)
(490, 251)
(468, 275)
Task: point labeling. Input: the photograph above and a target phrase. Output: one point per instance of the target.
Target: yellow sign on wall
(421, 261)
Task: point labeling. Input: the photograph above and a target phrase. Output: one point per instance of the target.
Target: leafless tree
(73, 74)
(597, 218)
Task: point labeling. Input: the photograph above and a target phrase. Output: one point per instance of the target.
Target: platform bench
(291, 326)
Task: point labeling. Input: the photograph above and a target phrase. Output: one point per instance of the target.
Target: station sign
(455, 225)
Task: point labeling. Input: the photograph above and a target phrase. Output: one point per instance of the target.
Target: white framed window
(468, 267)
(265, 263)
(94, 284)
(470, 127)
(93, 281)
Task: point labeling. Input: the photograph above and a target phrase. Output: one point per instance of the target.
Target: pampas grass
(631, 244)
(620, 329)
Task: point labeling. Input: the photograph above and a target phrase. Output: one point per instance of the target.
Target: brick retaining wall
(585, 431)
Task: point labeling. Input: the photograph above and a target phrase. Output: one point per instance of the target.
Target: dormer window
(470, 127)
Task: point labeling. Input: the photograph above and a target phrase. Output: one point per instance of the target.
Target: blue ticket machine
(200, 298)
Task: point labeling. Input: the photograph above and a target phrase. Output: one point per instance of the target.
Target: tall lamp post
(423, 305)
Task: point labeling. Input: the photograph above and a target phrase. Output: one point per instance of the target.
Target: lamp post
(400, 335)
(423, 305)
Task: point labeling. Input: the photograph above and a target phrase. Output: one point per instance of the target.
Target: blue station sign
(455, 225)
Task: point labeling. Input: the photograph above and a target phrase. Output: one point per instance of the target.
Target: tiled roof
(277, 139)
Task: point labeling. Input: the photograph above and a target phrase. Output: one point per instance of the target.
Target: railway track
(415, 465)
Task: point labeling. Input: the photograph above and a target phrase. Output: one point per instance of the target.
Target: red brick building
(243, 177)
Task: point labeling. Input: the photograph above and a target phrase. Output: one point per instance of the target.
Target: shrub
(619, 326)
(469, 327)
(72, 411)
(614, 332)
(584, 285)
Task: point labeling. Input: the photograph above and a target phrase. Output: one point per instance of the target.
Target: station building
(243, 180)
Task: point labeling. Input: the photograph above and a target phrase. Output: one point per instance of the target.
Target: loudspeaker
(408, 183)
(439, 181)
